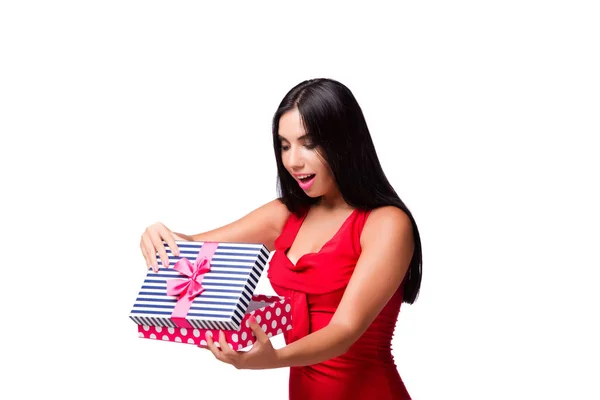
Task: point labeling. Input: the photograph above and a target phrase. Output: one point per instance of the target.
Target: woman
(347, 251)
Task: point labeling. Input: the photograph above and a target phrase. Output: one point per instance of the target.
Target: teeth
(304, 176)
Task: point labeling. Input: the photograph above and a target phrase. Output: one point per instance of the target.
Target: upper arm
(262, 225)
(387, 244)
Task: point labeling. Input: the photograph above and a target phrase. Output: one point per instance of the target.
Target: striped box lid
(229, 285)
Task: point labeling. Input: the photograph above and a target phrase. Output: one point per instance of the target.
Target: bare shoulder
(277, 213)
(387, 222)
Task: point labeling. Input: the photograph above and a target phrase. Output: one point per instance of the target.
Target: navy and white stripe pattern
(228, 287)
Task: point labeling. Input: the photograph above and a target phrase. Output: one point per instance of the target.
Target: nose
(295, 160)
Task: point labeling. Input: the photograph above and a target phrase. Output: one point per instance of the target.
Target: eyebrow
(306, 136)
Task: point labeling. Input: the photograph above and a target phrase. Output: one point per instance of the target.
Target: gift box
(209, 287)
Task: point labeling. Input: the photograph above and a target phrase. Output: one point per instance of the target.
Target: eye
(310, 145)
(284, 147)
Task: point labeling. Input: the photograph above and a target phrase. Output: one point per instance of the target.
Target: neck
(332, 201)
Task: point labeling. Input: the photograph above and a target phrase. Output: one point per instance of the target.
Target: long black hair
(335, 123)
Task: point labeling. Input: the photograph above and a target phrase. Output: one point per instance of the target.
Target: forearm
(263, 225)
(324, 344)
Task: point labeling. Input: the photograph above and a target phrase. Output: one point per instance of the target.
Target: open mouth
(307, 178)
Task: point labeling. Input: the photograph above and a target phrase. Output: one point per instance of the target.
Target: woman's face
(303, 159)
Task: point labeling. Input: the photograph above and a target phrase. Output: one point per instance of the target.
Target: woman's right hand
(152, 242)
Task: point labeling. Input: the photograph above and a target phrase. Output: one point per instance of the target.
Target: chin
(312, 194)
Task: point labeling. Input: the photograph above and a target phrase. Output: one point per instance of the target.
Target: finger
(217, 352)
(142, 248)
(150, 252)
(168, 236)
(227, 351)
(230, 356)
(211, 345)
(160, 248)
(261, 336)
(144, 253)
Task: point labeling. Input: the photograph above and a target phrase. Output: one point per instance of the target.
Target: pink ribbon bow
(188, 288)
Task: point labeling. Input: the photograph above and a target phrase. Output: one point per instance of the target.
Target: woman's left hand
(261, 356)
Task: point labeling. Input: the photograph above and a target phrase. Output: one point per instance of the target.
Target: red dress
(315, 286)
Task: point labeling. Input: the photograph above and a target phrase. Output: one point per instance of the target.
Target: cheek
(284, 159)
(324, 169)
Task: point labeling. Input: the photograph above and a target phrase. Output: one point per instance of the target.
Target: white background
(118, 114)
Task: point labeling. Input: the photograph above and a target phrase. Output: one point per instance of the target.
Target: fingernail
(252, 319)
(208, 334)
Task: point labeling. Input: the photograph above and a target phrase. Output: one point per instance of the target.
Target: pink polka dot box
(209, 287)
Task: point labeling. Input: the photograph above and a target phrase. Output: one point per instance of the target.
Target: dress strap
(289, 231)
